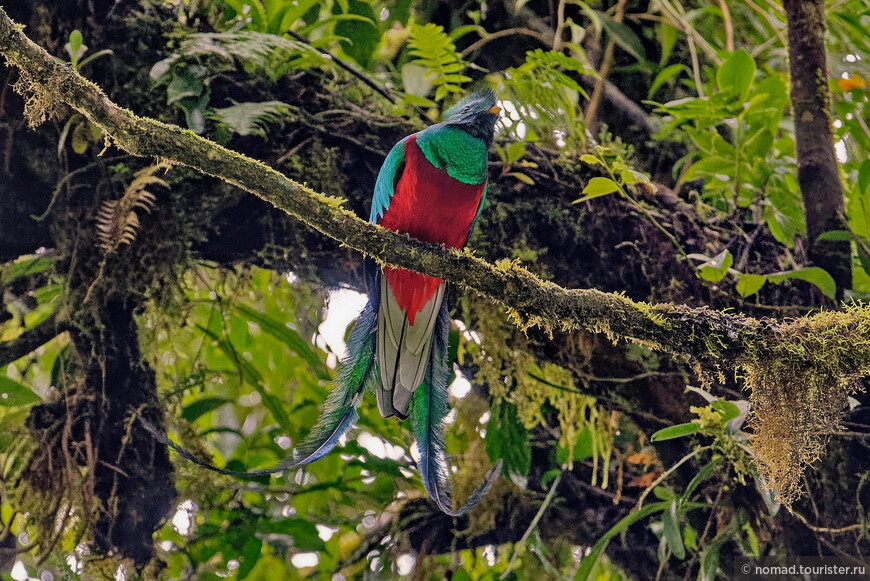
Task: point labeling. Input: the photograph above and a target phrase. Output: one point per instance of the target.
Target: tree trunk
(817, 171)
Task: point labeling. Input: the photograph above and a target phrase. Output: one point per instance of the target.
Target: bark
(90, 453)
(817, 171)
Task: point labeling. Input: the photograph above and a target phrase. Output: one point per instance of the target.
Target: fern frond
(273, 54)
(251, 118)
(435, 51)
(117, 221)
(546, 89)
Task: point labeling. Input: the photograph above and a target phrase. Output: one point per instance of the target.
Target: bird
(431, 186)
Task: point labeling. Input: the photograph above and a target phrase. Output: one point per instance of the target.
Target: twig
(604, 70)
(557, 37)
(830, 531)
(677, 18)
(729, 25)
(66, 179)
(377, 88)
(696, 67)
(532, 525)
(30, 340)
(667, 473)
(501, 34)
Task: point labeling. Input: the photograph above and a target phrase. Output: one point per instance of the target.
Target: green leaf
(290, 338)
(201, 407)
(690, 537)
(677, 431)
(304, 533)
(434, 50)
(508, 439)
(835, 235)
(749, 284)
(759, 144)
(864, 259)
(665, 75)
(521, 177)
(75, 47)
(624, 36)
(668, 36)
(360, 34)
(588, 562)
(13, 393)
(864, 177)
(715, 269)
(251, 118)
(249, 555)
(584, 447)
(79, 141)
(590, 159)
(252, 377)
(598, 187)
(514, 152)
(671, 530)
(94, 56)
(24, 266)
(735, 75)
(183, 86)
(702, 475)
(727, 409)
(811, 274)
(416, 101)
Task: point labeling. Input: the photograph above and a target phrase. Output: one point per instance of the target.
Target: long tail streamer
(427, 412)
(356, 372)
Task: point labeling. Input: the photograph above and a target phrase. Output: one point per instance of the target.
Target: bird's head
(476, 114)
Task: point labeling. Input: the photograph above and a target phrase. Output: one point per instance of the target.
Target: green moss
(799, 381)
(539, 389)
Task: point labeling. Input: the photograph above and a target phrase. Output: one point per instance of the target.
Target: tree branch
(714, 338)
(29, 341)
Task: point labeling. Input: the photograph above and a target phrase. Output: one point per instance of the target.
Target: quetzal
(431, 186)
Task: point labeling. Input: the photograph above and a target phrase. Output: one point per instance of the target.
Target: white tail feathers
(403, 350)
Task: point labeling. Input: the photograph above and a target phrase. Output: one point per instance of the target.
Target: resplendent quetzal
(431, 186)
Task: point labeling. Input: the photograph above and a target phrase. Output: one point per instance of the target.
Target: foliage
(250, 118)
(546, 92)
(434, 52)
(747, 161)
(242, 367)
(117, 220)
(246, 380)
(201, 57)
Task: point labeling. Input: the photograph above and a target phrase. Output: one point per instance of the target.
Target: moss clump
(42, 100)
(800, 379)
(538, 389)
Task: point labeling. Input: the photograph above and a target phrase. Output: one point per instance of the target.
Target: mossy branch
(700, 333)
(829, 352)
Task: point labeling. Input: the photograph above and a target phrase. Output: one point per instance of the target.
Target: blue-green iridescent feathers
(427, 412)
(357, 371)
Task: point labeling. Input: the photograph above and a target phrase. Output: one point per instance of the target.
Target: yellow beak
(495, 109)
